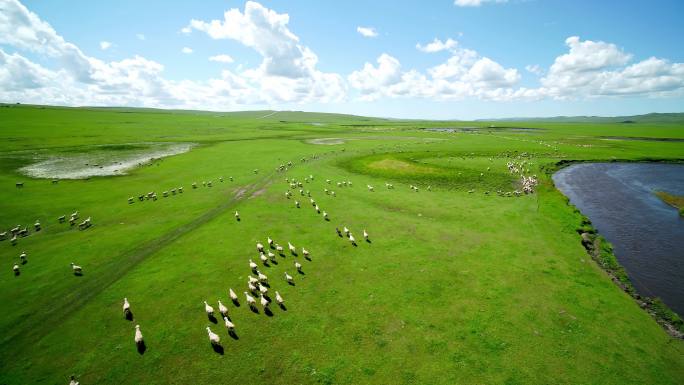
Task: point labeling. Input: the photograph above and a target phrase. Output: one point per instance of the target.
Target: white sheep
(271, 256)
(325, 215)
(288, 278)
(252, 265)
(259, 247)
(251, 287)
(264, 301)
(346, 231)
(352, 240)
(250, 300)
(16, 269)
(279, 299)
(270, 242)
(297, 204)
(318, 210)
(279, 249)
(237, 215)
(72, 380)
(263, 258)
(229, 325)
(126, 307)
(213, 337)
(262, 277)
(298, 266)
(262, 289)
(233, 296)
(138, 336)
(365, 234)
(252, 280)
(305, 252)
(293, 250)
(76, 269)
(208, 309)
(222, 308)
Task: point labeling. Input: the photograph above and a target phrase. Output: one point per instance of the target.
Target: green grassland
(454, 287)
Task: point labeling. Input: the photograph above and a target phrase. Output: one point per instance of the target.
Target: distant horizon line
(510, 118)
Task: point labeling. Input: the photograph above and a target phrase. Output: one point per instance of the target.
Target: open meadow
(460, 280)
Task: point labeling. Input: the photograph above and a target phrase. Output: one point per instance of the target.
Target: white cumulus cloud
(475, 3)
(221, 58)
(367, 31)
(186, 50)
(105, 45)
(437, 46)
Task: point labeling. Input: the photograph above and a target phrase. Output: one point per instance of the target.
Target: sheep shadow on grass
(212, 319)
(217, 348)
(254, 309)
(233, 335)
(368, 240)
(301, 272)
(141, 347)
(268, 312)
(78, 273)
(307, 258)
(291, 283)
(283, 307)
(128, 315)
(236, 303)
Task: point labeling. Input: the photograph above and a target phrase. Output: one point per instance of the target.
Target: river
(646, 233)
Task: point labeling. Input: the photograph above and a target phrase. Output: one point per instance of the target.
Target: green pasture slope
(454, 288)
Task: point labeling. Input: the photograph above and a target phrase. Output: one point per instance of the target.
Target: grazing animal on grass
(252, 265)
(229, 325)
(237, 215)
(365, 234)
(250, 300)
(279, 249)
(72, 380)
(222, 309)
(352, 240)
(346, 231)
(22, 257)
(260, 247)
(279, 299)
(126, 308)
(251, 287)
(293, 250)
(262, 277)
(262, 289)
(297, 204)
(325, 215)
(208, 309)
(15, 269)
(264, 301)
(213, 337)
(270, 242)
(139, 341)
(263, 258)
(288, 278)
(271, 256)
(76, 269)
(305, 252)
(298, 266)
(252, 280)
(232, 295)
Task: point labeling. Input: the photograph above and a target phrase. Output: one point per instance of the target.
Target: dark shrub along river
(646, 233)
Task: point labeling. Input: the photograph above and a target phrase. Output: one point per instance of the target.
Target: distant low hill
(672, 117)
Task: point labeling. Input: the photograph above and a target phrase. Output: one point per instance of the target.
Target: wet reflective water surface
(646, 233)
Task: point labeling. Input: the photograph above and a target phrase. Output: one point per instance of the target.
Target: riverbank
(602, 252)
(675, 201)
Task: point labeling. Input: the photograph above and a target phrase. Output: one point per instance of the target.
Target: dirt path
(32, 328)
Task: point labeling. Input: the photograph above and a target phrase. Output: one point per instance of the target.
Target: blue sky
(505, 58)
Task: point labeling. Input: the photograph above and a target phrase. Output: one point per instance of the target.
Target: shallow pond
(646, 233)
(99, 160)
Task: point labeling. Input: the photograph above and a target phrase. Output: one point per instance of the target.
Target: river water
(646, 233)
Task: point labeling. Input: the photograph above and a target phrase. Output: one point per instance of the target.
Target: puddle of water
(104, 160)
(326, 141)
